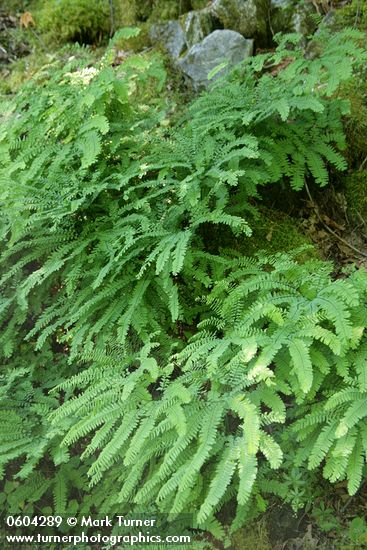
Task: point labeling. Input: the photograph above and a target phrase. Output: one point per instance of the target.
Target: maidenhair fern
(278, 331)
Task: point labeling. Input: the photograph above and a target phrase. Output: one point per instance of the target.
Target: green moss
(21, 70)
(356, 196)
(164, 10)
(132, 12)
(143, 9)
(83, 21)
(352, 15)
(89, 21)
(272, 231)
(275, 232)
(355, 123)
(199, 4)
(254, 536)
(13, 6)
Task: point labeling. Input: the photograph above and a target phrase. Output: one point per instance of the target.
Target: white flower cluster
(83, 76)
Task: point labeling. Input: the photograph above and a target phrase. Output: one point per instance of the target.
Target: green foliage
(335, 431)
(147, 231)
(325, 518)
(358, 530)
(45, 472)
(188, 360)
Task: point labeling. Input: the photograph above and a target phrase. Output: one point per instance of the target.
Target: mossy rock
(293, 16)
(356, 196)
(248, 17)
(197, 25)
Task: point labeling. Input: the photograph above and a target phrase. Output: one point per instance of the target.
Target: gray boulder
(283, 4)
(238, 15)
(219, 46)
(302, 21)
(171, 36)
(328, 21)
(197, 25)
